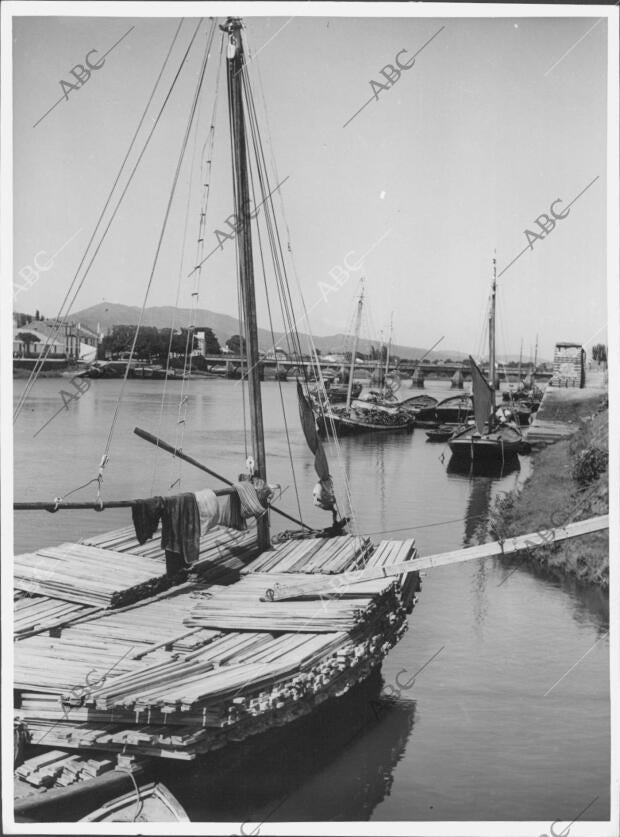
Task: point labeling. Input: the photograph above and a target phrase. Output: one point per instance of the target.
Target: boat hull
(349, 427)
(500, 445)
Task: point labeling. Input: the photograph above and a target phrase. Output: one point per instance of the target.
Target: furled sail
(483, 396)
(324, 492)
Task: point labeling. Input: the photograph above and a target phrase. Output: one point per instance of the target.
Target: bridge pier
(457, 380)
(417, 379)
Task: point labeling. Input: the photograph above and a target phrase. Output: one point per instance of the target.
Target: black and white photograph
(309, 418)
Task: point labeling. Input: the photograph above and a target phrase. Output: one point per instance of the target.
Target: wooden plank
(487, 550)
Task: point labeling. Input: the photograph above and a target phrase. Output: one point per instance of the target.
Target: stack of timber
(314, 555)
(223, 551)
(88, 575)
(350, 606)
(201, 665)
(59, 768)
(40, 613)
(53, 591)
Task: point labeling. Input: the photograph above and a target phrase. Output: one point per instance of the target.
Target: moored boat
(494, 437)
(454, 410)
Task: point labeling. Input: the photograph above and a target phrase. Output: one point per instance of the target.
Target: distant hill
(108, 314)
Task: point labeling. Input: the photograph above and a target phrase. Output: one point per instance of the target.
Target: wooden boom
(333, 585)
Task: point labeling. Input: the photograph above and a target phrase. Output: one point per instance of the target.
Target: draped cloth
(483, 397)
(324, 492)
(180, 527)
(251, 505)
(208, 509)
(146, 515)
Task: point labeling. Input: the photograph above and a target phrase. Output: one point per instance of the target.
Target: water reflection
(589, 602)
(484, 469)
(344, 754)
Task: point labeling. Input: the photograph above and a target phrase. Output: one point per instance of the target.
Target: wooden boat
(363, 416)
(494, 437)
(108, 368)
(150, 803)
(454, 410)
(416, 403)
(363, 420)
(440, 434)
(120, 650)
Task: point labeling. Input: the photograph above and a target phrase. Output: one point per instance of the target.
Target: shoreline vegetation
(569, 482)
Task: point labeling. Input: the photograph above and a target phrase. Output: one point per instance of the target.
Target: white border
(12, 8)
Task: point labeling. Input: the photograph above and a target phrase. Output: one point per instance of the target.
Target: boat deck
(190, 668)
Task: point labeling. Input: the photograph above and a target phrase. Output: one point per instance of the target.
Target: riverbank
(569, 482)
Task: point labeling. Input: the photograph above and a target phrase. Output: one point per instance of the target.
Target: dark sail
(483, 397)
(308, 424)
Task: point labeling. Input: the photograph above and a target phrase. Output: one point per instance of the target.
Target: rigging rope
(288, 438)
(190, 338)
(161, 237)
(53, 334)
(312, 347)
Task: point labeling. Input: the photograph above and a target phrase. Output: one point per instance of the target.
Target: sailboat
(374, 415)
(130, 647)
(494, 438)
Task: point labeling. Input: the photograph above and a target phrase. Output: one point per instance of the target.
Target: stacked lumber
(202, 664)
(88, 575)
(396, 552)
(240, 604)
(313, 555)
(39, 613)
(223, 551)
(242, 700)
(107, 646)
(59, 768)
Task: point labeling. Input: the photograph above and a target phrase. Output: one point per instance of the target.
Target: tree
(212, 344)
(599, 353)
(236, 344)
(27, 338)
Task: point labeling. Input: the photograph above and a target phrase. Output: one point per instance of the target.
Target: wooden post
(235, 68)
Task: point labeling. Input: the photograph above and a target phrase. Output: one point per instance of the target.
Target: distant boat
(363, 416)
(455, 410)
(440, 434)
(416, 403)
(495, 437)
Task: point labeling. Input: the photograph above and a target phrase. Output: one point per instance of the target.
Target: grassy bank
(569, 482)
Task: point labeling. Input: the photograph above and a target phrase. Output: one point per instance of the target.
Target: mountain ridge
(108, 314)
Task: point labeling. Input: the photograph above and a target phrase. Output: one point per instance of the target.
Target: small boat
(416, 403)
(152, 802)
(440, 434)
(494, 437)
(455, 410)
(108, 369)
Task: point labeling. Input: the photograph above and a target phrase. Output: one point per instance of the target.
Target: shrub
(589, 464)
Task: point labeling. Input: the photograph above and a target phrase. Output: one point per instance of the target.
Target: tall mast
(235, 65)
(492, 341)
(358, 323)
(389, 345)
(536, 354)
(520, 358)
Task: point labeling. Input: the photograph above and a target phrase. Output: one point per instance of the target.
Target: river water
(494, 706)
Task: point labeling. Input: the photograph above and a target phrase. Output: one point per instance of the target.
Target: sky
(496, 120)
